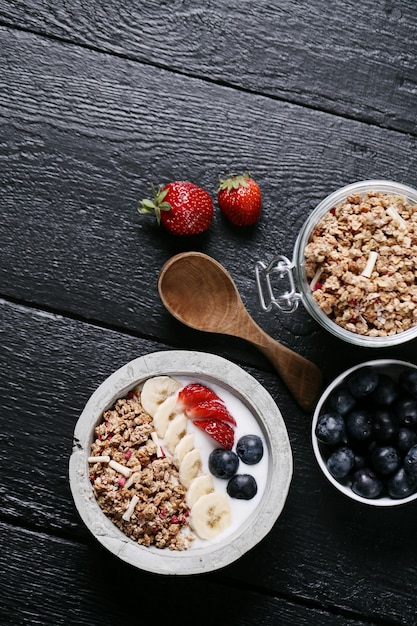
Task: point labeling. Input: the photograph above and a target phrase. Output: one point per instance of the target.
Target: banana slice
(185, 445)
(175, 432)
(164, 415)
(190, 467)
(210, 515)
(155, 390)
(200, 486)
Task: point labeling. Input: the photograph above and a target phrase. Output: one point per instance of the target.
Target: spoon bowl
(200, 293)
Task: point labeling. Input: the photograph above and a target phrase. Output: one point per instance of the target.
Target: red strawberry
(194, 393)
(219, 431)
(181, 207)
(240, 200)
(211, 410)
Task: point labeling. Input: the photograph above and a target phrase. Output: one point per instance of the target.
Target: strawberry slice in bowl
(214, 409)
(193, 394)
(218, 430)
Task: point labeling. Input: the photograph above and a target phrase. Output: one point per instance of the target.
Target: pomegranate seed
(128, 454)
(121, 481)
(317, 286)
(175, 519)
(333, 210)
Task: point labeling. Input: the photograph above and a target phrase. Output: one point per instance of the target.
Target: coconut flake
(128, 513)
(155, 439)
(122, 469)
(99, 459)
(370, 264)
(133, 478)
(316, 277)
(393, 213)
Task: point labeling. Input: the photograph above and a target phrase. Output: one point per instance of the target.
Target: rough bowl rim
(227, 374)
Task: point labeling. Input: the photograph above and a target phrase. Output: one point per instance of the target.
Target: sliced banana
(175, 432)
(185, 445)
(200, 486)
(164, 415)
(210, 515)
(155, 390)
(190, 467)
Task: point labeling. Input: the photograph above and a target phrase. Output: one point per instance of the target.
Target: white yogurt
(247, 424)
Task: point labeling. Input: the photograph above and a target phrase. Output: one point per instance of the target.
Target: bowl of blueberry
(364, 432)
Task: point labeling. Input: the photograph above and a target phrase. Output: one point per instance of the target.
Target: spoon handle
(302, 377)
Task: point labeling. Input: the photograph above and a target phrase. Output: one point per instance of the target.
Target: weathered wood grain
(323, 550)
(83, 136)
(357, 60)
(98, 100)
(94, 588)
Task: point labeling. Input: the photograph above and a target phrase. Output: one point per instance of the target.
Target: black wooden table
(99, 100)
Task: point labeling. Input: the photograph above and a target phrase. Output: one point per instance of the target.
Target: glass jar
(292, 273)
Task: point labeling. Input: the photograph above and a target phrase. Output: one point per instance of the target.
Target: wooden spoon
(198, 291)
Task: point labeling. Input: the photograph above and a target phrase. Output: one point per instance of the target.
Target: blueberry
(362, 382)
(410, 461)
(340, 462)
(384, 425)
(341, 401)
(401, 484)
(366, 484)
(359, 425)
(385, 460)
(242, 486)
(223, 463)
(408, 381)
(405, 408)
(406, 439)
(359, 461)
(386, 391)
(330, 428)
(250, 449)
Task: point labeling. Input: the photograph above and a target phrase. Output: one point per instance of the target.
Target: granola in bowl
(361, 263)
(143, 476)
(130, 480)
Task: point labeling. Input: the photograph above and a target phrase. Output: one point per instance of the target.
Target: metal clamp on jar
(280, 267)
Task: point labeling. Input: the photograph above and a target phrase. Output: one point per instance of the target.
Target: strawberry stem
(156, 204)
(234, 181)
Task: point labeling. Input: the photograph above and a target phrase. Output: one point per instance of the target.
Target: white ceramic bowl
(210, 369)
(294, 271)
(391, 367)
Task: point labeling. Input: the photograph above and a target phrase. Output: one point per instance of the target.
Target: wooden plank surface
(94, 588)
(86, 134)
(323, 548)
(97, 102)
(356, 60)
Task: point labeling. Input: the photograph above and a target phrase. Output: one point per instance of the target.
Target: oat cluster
(137, 489)
(361, 262)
